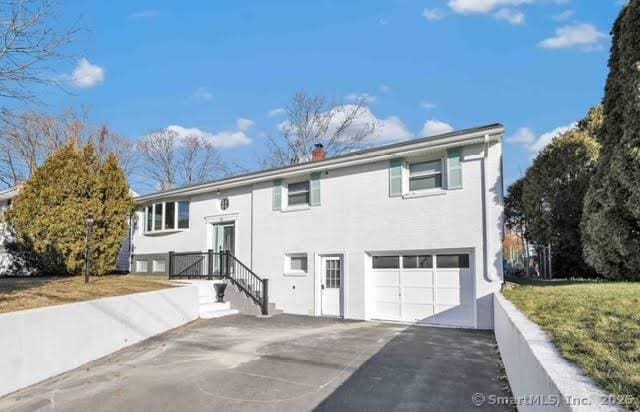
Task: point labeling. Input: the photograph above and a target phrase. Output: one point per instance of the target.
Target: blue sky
(225, 67)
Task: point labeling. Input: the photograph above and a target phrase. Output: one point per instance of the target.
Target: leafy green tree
(611, 219)
(515, 217)
(552, 196)
(48, 218)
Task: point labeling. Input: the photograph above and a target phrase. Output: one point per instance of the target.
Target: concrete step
(215, 306)
(217, 313)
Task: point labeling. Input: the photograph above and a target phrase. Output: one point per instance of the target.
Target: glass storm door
(224, 238)
(331, 285)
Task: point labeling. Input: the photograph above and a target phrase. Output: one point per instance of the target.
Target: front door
(331, 286)
(224, 238)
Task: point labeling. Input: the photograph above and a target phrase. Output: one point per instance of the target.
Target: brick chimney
(318, 153)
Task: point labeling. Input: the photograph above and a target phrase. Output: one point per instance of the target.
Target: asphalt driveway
(282, 363)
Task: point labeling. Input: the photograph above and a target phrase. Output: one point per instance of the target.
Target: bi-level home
(407, 232)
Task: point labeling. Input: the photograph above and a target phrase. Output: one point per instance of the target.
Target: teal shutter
(277, 194)
(315, 189)
(454, 168)
(395, 178)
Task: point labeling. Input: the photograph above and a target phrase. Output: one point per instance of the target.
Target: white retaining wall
(537, 373)
(37, 344)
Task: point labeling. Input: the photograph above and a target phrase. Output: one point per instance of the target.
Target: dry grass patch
(596, 326)
(34, 292)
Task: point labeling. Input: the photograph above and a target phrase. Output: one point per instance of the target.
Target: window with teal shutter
(315, 189)
(277, 194)
(395, 178)
(454, 168)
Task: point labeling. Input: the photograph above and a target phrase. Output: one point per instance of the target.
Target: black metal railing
(220, 265)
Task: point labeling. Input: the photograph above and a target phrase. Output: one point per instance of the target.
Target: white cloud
(433, 14)
(527, 138)
(564, 16)
(524, 136)
(383, 21)
(582, 35)
(546, 138)
(427, 105)
(385, 129)
(244, 124)
(225, 139)
(434, 127)
(512, 16)
(144, 14)
(365, 98)
(384, 88)
(482, 6)
(278, 111)
(202, 94)
(87, 75)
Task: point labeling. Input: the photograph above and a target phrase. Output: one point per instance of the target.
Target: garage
(423, 288)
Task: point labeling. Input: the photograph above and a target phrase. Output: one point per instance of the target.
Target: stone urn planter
(220, 288)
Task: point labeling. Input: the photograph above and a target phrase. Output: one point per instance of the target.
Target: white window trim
(408, 194)
(162, 229)
(287, 264)
(285, 196)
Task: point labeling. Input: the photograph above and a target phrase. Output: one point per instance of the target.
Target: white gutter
(483, 136)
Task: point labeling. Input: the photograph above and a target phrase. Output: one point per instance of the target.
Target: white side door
(331, 285)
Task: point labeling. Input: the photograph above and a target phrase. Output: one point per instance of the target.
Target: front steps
(212, 310)
(236, 300)
(244, 304)
(209, 307)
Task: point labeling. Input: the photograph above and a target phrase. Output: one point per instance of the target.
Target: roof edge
(332, 162)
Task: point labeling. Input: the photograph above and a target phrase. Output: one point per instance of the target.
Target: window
(142, 266)
(157, 216)
(170, 215)
(386, 262)
(425, 175)
(297, 263)
(149, 220)
(452, 261)
(298, 193)
(183, 215)
(417, 262)
(163, 216)
(159, 266)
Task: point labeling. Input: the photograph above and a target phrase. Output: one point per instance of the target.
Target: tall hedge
(552, 196)
(611, 219)
(48, 217)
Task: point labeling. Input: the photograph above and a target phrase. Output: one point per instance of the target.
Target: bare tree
(28, 139)
(171, 160)
(340, 128)
(30, 39)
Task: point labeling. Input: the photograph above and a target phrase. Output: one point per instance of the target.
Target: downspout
(485, 241)
(251, 241)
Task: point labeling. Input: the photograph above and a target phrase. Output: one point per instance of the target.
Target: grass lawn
(18, 293)
(595, 325)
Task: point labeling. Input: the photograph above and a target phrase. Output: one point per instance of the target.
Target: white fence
(37, 344)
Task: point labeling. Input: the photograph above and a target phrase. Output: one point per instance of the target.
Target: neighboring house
(6, 197)
(406, 232)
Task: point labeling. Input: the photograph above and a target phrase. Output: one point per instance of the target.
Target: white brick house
(407, 232)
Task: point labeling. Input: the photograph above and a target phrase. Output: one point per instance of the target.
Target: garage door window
(452, 261)
(417, 262)
(386, 262)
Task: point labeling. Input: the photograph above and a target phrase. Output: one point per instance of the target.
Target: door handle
(322, 287)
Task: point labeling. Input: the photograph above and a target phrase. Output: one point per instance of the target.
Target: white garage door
(429, 289)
